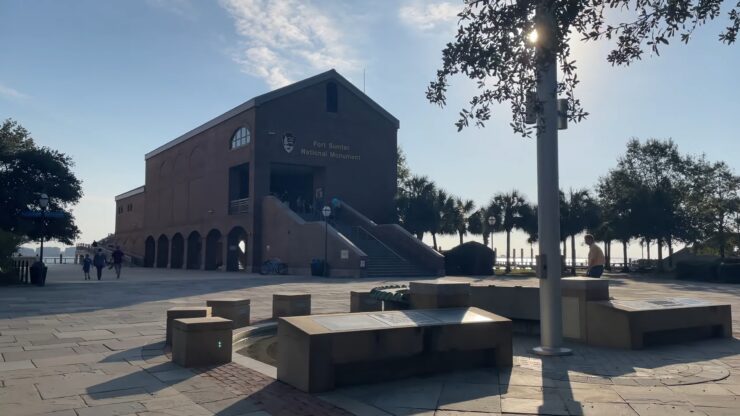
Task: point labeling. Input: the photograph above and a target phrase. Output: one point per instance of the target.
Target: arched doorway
(195, 248)
(236, 246)
(149, 252)
(178, 251)
(214, 250)
(163, 251)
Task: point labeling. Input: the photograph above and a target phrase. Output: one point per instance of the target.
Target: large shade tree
(26, 171)
(494, 45)
(714, 203)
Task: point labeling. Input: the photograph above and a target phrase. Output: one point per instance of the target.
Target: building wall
(296, 242)
(130, 214)
(361, 167)
(187, 185)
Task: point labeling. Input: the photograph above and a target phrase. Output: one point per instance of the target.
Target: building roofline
(269, 96)
(132, 192)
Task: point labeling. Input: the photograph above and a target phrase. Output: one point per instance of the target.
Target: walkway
(80, 347)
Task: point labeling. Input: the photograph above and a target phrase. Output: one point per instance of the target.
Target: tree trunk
(721, 236)
(485, 239)
(508, 250)
(647, 245)
(434, 241)
(670, 253)
(461, 237)
(660, 254)
(625, 267)
(573, 255)
(565, 255)
(608, 255)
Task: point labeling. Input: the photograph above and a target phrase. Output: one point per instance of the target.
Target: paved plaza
(94, 348)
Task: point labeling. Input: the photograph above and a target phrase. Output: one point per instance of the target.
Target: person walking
(99, 262)
(117, 261)
(596, 258)
(86, 264)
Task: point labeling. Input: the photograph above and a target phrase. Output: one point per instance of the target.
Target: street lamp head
(326, 211)
(43, 201)
(491, 220)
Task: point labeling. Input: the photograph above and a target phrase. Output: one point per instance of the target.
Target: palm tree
(475, 224)
(458, 216)
(416, 206)
(530, 225)
(442, 206)
(508, 209)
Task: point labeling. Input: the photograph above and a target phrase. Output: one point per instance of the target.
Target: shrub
(729, 272)
(469, 259)
(696, 270)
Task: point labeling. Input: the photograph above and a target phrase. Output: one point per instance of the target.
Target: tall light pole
(551, 330)
(491, 223)
(43, 203)
(326, 212)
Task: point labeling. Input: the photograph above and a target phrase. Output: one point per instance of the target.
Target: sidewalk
(80, 347)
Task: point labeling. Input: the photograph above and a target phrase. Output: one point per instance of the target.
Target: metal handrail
(372, 237)
(239, 206)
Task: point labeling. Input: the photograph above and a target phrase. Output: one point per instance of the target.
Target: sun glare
(533, 36)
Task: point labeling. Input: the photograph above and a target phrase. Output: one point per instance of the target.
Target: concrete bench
(517, 302)
(198, 342)
(319, 353)
(236, 310)
(635, 324)
(291, 304)
(434, 294)
(577, 292)
(363, 302)
(183, 312)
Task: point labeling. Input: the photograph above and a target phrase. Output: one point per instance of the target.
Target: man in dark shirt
(117, 260)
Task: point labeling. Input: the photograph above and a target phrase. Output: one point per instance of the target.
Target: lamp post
(491, 223)
(551, 324)
(326, 212)
(43, 203)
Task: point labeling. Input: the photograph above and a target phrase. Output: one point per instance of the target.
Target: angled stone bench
(236, 310)
(577, 293)
(198, 342)
(363, 302)
(291, 304)
(184, 312)
(514, 302)
(433, 294)
(635, 324)
(321, 352)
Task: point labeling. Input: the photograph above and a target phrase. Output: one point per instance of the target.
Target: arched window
(240, 138)
(332, 103)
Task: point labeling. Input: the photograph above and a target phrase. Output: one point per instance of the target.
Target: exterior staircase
(381, 260)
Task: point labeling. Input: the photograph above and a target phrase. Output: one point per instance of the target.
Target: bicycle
(274, 266)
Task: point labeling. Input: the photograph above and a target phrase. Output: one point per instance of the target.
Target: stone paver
(80, 347)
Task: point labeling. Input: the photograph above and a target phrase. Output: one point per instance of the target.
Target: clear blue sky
(107, 81)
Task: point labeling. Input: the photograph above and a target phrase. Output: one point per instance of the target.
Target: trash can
(37, 271)
(317, 267)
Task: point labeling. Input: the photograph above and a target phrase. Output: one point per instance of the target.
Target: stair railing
(363, 233)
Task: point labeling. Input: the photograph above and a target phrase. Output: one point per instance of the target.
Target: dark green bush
(696, 270)
(469, 259)
(728, 272)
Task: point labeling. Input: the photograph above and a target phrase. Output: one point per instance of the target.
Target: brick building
(249, 185)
